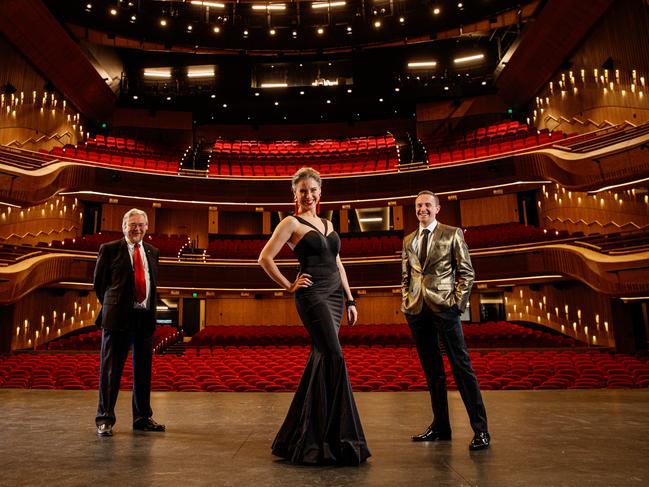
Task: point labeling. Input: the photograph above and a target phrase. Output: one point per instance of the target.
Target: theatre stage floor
(539, 438)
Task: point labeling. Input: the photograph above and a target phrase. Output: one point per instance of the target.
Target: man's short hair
(425, 191)
(130, 213)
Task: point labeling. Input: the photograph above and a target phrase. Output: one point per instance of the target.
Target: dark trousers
(115, 345)
(426, 328)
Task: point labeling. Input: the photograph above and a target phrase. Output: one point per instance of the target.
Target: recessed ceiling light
(225, 105)
(135, 97)
(113, 11)
(216, 29)
(349, 90)
(484, 83)
(163, 22)
(381, 100)
(89, 6)
(257, 93)
(276, 103)
(245, 32)
(446, 88)
(294, 33)
(320, 30)
(190, 28)
(402, 20)
(397, 89)
(272, 32)
(460, 5)
(377, 24)
(213, 96)
(168, 98)
(328, 102)
(301, 92)
(133, 18)
(436, 10)
(349, 28)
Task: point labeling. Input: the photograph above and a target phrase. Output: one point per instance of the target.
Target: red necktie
(140, 281)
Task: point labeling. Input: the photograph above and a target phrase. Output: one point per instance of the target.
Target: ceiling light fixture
(318, 5)
(436, 10)
(113, 11)
(216, 30)
(157, 73)
(422, 64)
(208, 4)
(320, 31)
(163, 22)
(467, 59)
(274, 85)
(200, 74)
(370, 219)
(377, 23)
(272, 32)
(270, 6)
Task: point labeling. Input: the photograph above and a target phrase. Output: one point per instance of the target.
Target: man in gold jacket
(436, 281)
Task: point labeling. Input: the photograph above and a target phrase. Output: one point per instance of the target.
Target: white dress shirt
(415, 241)
(147, 278)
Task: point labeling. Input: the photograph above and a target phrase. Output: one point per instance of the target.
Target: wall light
(467, 59)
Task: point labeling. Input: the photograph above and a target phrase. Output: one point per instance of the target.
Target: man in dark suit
(436, 279)
(125, 283)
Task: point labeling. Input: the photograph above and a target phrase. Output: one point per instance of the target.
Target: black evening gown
(322, 425)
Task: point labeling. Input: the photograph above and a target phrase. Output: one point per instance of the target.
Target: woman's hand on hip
(302, 280)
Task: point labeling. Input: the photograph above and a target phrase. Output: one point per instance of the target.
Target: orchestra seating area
(283, 158)
(499, 334)
(169, 245)
(124, 152)
(488, 141)
(164, 336)
(371, 368)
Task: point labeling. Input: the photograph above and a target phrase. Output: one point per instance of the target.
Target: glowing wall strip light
(317, 5)
(157, 73)
(208, 4)
(422, 64)
(274, 85)
(467, 59)
(276, 6)
(200, 74)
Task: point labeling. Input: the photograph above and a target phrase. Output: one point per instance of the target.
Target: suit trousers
(115, 345)
(427, 327)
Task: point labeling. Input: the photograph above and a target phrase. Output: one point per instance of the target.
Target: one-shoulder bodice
(316, 252)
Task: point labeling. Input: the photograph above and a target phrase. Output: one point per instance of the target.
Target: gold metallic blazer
(444, 279)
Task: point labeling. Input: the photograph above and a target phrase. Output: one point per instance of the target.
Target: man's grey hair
(130, 213)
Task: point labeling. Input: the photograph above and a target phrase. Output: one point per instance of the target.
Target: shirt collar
(430, 227)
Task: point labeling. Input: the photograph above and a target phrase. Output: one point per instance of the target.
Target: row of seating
(509, 234)
(377, 368)
(495, 147)
(388, 245)
(169, 246)
(314, 147)
(121, 143)
(164, 336)
(128, 161)
(498, 334)
(235, 167)
(480, 135)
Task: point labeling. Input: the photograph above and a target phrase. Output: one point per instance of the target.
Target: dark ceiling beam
(547, 43)
(34, 31)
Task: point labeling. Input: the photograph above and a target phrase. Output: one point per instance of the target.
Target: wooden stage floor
(539, 438)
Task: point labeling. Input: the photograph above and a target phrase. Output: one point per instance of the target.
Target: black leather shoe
(105, 430)
(433, 434)
(480, 441)
(148, 425)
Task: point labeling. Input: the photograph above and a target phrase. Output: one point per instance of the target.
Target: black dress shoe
(433, 434)
(105, 430)
(480, 441)
(148, 425)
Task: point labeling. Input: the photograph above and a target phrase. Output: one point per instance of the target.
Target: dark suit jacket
(114, 283)
(444, 279)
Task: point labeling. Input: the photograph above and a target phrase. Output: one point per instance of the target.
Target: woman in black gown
(322, 425)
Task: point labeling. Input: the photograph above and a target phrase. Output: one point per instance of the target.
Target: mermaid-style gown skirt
(322, 425)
